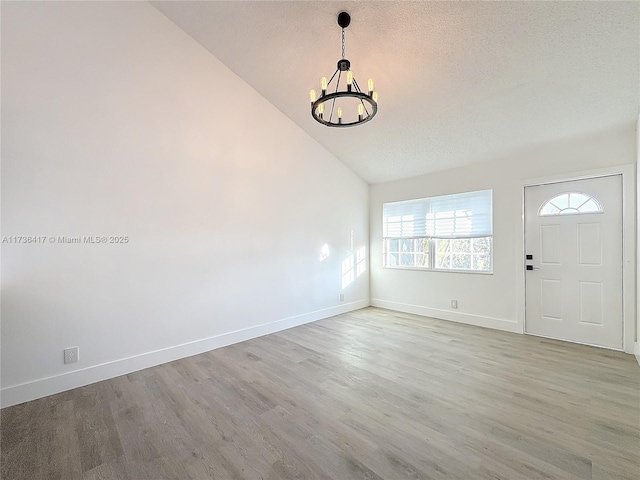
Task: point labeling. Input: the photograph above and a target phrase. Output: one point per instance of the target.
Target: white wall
(115, 122)
(486, 300)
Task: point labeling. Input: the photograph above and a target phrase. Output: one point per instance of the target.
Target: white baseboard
(78, 378)
(460, 317)
(636, 351)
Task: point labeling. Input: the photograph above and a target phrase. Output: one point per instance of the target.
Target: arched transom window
(570, 203)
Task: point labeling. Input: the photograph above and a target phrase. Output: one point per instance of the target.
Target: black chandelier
(365, 104)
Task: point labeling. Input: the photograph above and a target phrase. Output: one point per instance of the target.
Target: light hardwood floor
(367, 395)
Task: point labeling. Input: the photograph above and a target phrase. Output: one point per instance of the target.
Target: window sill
(445, 270)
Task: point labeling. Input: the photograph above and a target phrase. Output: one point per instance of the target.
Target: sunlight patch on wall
(361, 264)
(347, 271)
(324, 252)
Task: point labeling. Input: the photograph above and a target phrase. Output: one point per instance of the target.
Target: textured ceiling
(459, 82)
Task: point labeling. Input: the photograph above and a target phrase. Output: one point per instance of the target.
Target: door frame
(627, 172)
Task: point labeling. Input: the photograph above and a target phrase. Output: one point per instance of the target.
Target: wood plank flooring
(372, 394)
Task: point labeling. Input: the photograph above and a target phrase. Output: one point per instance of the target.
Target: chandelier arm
(333, 102)
(365, 106)
(357, 87)
(334, 74)
(355, 84)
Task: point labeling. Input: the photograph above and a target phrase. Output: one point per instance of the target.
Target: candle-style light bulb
(320, 110)
(375, 97)
(323, 85)
(312, 95)
(370, 85)
(339, 115)
(349, 80)
(360, 111)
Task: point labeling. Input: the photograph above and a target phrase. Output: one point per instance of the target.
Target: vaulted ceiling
(459, 82)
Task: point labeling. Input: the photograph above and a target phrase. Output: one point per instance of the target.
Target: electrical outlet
(454, 303)
(71, 355)
(342, 297)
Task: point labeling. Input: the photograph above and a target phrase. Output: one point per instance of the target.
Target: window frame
(574, 211)
(385, 252)
(432, 255)
(465, 270)
(432, 252)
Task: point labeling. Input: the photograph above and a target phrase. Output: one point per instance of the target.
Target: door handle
(531, 267)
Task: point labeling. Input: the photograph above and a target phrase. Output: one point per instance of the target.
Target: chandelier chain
(343, 43)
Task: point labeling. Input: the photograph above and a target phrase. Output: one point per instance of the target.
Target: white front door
(573, 236)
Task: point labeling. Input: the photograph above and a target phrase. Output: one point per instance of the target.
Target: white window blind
(462, 215)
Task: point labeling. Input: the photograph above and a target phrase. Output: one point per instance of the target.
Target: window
(450, 232)
(408, 252)
(570, 203)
